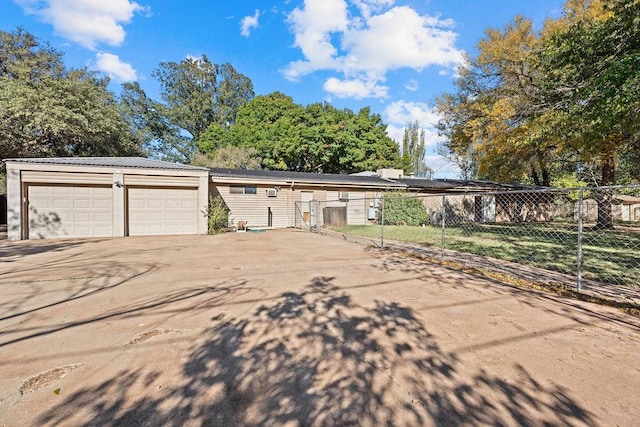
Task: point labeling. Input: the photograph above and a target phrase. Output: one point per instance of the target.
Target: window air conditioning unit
(343, 196)
(272, 192)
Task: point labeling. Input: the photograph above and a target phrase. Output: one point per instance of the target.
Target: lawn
(608, 256)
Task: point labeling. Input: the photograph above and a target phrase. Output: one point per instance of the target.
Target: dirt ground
(291, 328)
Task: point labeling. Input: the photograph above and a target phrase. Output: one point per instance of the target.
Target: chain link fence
(583, 239)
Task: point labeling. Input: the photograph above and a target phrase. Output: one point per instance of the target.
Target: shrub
(217, 214)
(403, 209)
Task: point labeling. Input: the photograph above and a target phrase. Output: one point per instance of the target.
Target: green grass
(608, 256)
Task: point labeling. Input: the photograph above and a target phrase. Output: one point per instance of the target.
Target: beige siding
(356, 206)
(161, 181)
(357, 209)
(66, 178)
(253, 209)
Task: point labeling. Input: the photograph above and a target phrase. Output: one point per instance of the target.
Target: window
(237, 189)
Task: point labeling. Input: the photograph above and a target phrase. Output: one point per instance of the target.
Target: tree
(229, 157)
(490, 122)
(195, 94)
(593, 76)
(530, 106)
(315, 138)
(413, 150)
(49, 110)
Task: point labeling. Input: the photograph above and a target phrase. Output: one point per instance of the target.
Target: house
(104, 197)
(277, 199)
(623, 208)
(273, 199)
(130, 196)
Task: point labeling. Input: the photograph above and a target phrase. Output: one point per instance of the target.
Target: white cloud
(86, 22)
(400, 38)
(313, 26)
(442, 168)
(357, 88)
(403, 112)
(369, 40)
(411, 85)
(248, 23)
(113, 66)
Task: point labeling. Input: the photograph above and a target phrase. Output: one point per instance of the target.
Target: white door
(160, 211)
(70, 211)
(489, 208)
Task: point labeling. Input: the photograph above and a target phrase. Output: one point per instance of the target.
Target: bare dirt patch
(148, 335)
(46, 378)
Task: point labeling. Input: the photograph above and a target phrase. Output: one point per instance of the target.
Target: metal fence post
(382, 222)
(444, 213)
(318, 215)
(580, 231)
(310, 215)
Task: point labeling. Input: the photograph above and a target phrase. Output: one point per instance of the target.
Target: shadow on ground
(315, 357)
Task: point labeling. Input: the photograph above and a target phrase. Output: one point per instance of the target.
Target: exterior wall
(14, 203)
(500, 208)
(287, 208)
(357, 205)
(253, 209)
(590, 211)
(525, 207)
(20, 175)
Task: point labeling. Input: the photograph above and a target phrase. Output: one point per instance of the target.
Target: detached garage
(104, 197)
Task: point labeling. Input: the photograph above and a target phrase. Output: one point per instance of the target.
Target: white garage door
(157, 211)
(70, 211)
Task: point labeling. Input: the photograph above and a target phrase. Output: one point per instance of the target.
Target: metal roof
(118, 162)
(290, 176)
(460, 184)
(424, 183)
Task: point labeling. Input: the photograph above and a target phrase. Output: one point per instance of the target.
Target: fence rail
(587, 238)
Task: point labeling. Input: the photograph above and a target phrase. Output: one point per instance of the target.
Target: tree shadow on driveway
(316, 357)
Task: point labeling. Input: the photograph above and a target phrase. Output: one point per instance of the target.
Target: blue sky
(394, 56)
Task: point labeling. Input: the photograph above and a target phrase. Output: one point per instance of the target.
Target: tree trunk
(605, 195)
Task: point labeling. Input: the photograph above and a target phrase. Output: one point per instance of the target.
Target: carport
(104, 197)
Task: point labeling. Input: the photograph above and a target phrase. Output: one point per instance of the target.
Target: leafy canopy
(315, 138)
(49, 110)
(195, 94)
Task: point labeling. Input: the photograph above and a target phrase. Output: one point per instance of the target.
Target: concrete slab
(292, 328)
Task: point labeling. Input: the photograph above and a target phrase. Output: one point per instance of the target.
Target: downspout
(291, 210)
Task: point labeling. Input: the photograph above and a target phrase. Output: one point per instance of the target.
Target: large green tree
(49, 110)
(195, 93)
(315, 138)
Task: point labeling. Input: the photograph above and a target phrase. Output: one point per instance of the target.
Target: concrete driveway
(291, 328)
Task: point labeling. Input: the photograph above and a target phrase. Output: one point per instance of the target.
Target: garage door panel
(81, 216)
(82, 203)
(62, 203)
(159, 211)
(102, 204)
(101, 217)
(70, 211)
